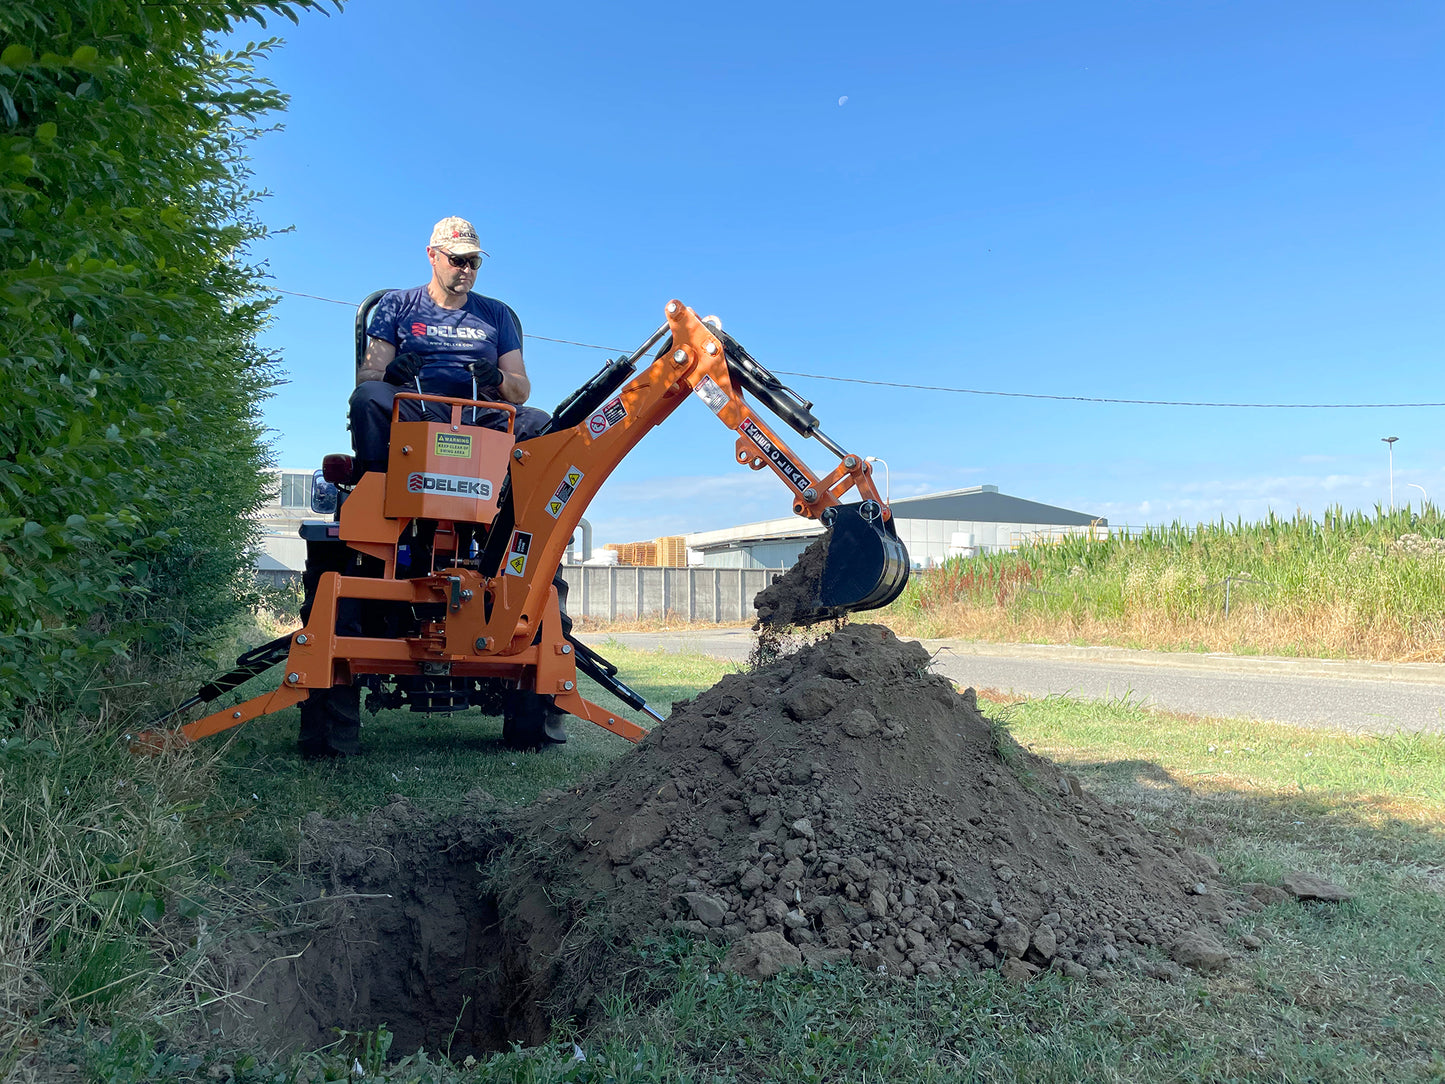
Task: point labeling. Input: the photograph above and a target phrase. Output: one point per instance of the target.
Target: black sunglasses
(473, 262)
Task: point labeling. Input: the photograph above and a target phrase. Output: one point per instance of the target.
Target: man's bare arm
(379, 354)
(515, 385)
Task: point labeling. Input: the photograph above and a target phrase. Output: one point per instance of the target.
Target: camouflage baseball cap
(457, 236)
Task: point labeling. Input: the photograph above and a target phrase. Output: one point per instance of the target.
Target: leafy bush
(131, 448)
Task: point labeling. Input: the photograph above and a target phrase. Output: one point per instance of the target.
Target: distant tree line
(131, 445)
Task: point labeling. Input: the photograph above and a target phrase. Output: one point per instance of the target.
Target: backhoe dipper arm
(554, 477)
(494, 606)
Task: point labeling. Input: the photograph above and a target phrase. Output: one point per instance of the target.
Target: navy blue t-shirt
(448, 339)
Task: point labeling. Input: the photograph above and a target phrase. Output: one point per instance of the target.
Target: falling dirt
(838, 805)
(794, 599)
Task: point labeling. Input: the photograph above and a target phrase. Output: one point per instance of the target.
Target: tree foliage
(131, 447)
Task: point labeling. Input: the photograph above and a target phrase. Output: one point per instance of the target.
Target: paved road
(1362, 697)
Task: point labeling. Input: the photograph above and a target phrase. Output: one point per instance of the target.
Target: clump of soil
(795, 597)
(844, 803)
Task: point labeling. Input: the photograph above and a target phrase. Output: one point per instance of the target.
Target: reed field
(1359, 585)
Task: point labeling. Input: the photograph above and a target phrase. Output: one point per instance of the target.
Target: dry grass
(93, 858)
(1358, 585)
(1325, 631)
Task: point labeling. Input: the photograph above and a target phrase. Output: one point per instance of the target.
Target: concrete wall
(625, 594)
(698, 594)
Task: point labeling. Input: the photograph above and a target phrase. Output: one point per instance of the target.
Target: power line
(983, 391)
(1101, 399)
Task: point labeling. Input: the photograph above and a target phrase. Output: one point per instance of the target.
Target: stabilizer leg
(158, 741)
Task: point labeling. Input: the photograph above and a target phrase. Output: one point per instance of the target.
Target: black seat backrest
(363, 317)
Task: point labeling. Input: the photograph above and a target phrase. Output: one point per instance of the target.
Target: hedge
(132, 453)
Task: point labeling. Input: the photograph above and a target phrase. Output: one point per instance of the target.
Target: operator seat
(339, 468)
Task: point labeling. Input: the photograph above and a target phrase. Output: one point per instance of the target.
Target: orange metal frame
(491, 624)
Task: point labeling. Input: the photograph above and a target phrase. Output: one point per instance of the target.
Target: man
(441, 339)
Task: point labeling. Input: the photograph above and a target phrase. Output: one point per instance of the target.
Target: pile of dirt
(838, 804)
(844, 803)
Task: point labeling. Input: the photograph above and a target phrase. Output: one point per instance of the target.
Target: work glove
(403, 370)
(486, 374)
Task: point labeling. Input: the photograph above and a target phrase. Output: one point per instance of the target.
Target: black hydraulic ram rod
(253, 662)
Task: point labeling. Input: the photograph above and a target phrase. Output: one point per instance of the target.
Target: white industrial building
(934, 527)
(282, 547)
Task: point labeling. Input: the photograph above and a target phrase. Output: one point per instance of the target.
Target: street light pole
(1424, 497)
(887, 478)
(1390, 441)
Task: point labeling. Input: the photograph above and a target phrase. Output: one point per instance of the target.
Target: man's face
(456, 280)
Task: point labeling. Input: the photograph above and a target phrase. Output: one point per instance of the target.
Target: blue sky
(1187, 201)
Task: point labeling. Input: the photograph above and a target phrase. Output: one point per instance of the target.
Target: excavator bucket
(866, 565)
(859, 564)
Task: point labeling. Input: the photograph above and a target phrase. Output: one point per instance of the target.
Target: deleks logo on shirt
(446, 331)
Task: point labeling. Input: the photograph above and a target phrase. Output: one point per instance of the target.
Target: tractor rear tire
(530, 721)
(330, 718)
(331, 722)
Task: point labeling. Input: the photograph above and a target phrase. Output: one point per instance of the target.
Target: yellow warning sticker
(565, 489)
(517, 553)
(456, 445)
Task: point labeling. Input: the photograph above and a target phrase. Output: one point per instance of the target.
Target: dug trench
(841, 805)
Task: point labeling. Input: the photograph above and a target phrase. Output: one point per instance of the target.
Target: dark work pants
(371, 405)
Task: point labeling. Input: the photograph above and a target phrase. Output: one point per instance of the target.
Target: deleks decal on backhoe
(785, 465)
(565, 489)
(517, 553)
(453, 485)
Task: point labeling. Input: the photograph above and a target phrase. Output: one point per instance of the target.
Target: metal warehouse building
(934, 527)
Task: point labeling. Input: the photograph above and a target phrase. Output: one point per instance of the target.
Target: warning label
(454, 444)
(452, 485)
(709, 392)
(517, 553)
(785, 465)
(565, 489)
(606, 418)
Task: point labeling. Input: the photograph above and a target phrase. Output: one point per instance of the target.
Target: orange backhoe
(435, 584)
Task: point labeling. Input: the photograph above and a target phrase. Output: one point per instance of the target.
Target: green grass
(263, 789)
(1348, 993)
(1246, 754)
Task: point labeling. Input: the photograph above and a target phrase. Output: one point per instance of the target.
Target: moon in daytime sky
(843, 100)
